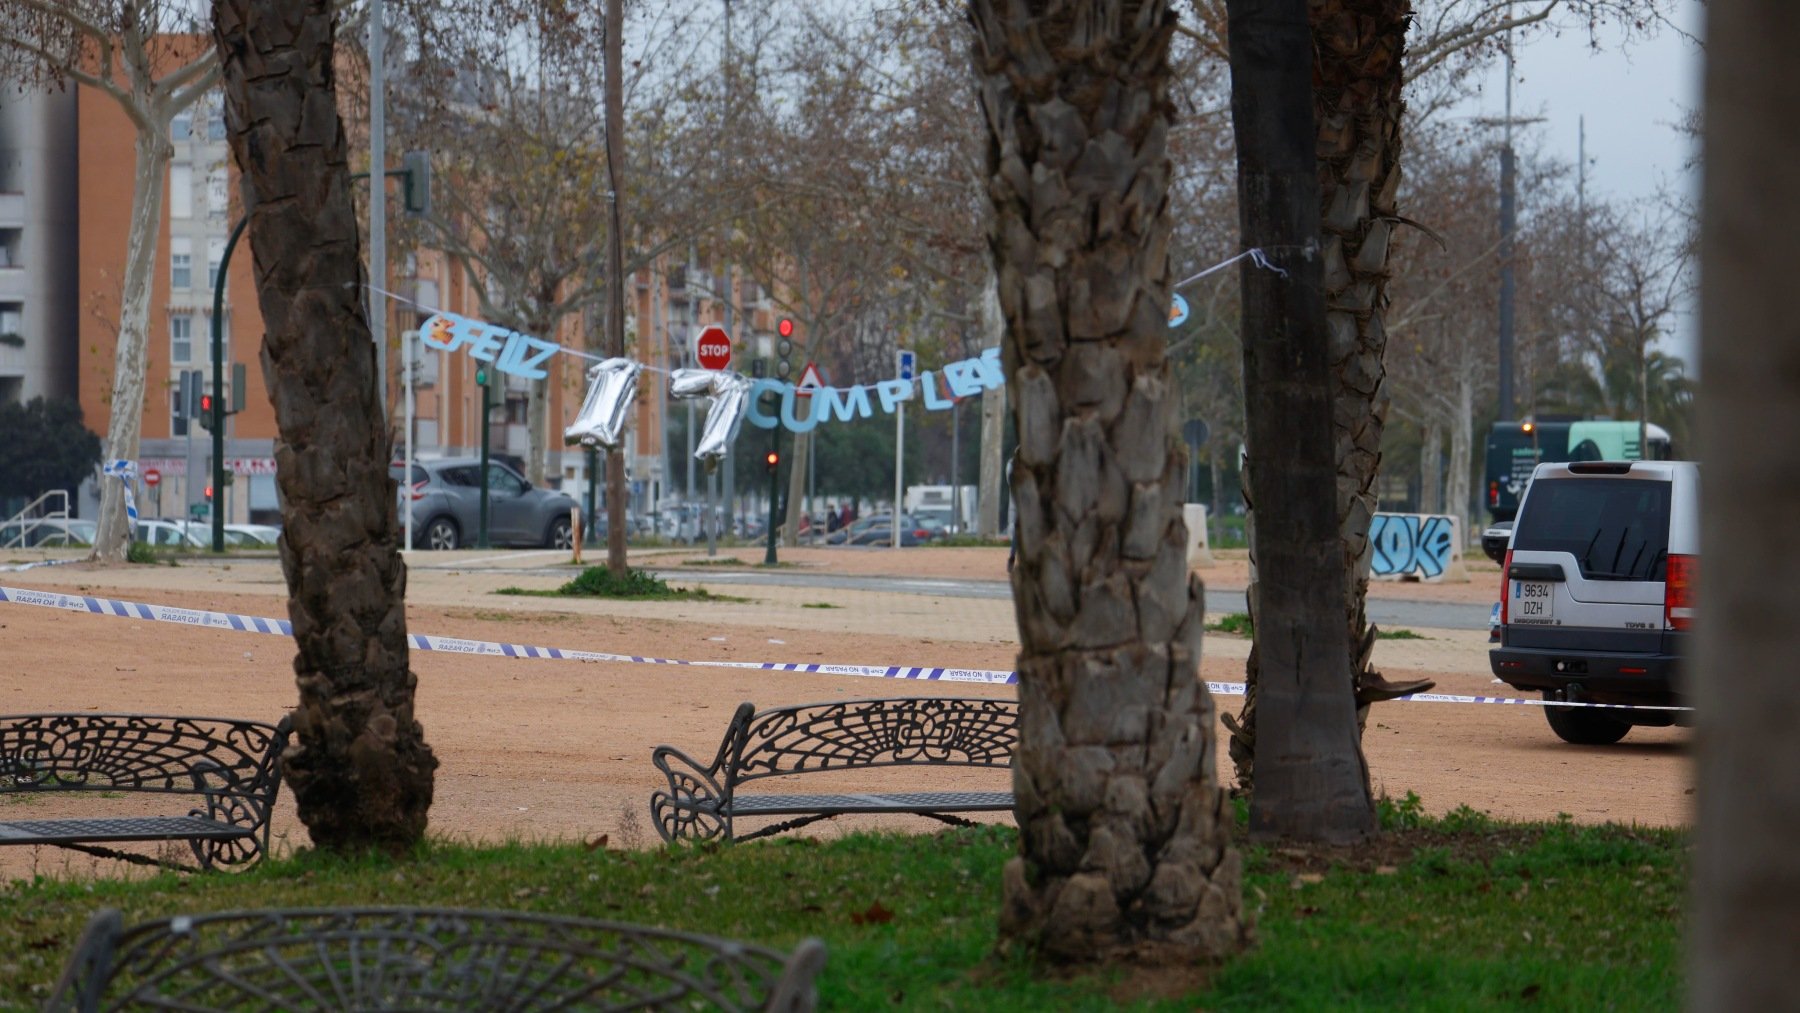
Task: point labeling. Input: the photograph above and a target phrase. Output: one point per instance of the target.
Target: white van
(1598, 592)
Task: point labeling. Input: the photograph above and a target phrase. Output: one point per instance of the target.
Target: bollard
(575, 532)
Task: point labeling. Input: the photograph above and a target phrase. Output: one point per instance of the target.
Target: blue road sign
(909, 364)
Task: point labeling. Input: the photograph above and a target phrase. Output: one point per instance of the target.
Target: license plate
(1533, 599)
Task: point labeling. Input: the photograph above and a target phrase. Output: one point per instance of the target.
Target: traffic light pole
(483, 378)
(774, 474)
(218, 384)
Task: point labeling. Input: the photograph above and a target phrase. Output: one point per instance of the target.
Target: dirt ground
(540, 749)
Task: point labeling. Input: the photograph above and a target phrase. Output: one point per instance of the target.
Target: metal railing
(16, 530)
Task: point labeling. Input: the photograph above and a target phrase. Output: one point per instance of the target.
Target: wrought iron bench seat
(704, 801)
(405, 958)
(230, 767)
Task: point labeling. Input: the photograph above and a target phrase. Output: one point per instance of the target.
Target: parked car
(1495, 538)
(46, 532)
(251, 536)
(1598, 592)
(446, 506)
(877, 529)
(174, 534)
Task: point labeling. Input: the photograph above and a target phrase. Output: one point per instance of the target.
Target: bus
(1515, 449)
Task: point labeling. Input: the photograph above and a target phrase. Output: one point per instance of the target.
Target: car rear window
(418, 473)
(1617, 529)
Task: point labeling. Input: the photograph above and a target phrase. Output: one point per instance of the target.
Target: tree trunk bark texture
(1358, 45)
(124, 428)
(798, 451)
(1312, 781)
(1746, 893)
(361, 772)
(537, 427)
(1124, 846)
(993, 422)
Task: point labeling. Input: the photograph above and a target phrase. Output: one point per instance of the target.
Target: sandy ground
(553, 749)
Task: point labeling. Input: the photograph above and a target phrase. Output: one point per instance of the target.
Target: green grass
(967, 542)
(1401, 634)
(636, 585)
(720, 561)
(1234, 623)
(1452, 913)
(820, 605)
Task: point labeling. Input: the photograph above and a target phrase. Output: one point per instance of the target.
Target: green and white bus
(1515, 449)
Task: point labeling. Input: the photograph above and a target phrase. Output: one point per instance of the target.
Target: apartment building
(38, 303)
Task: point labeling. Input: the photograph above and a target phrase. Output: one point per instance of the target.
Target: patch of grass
(820, 605)
(1402, 634)
(718, 561)
(635, 585)
(1446, 913)
(141, 552)
(1235, 623)
(967, 542)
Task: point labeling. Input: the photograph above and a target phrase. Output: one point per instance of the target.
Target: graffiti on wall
(1412, 544)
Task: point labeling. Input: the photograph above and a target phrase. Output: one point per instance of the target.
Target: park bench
(704, 802)
(400, 958)
(227, 769)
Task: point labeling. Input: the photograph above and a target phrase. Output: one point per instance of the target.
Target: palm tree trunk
(361, 772)
(1123, 831)
(1312, 782)
(1358, 46)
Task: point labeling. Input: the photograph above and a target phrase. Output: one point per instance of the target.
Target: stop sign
(713, 348)
(152, 476)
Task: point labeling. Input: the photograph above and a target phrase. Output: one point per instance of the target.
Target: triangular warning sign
(809, 380)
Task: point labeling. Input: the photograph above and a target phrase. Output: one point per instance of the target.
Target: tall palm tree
(1123, 829)
(361, 772)
(1357, 106)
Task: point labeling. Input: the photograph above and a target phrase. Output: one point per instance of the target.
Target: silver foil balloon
(612, 387)
(730, 394)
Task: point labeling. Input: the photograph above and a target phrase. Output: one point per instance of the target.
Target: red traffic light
(773, 458)
(206, 403)
(209, 494)
(785, 328)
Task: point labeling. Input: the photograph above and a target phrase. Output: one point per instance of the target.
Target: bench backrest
(857, 734)
(444, 959)
(140, 753)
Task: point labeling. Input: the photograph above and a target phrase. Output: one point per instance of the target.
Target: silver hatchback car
(446, 503)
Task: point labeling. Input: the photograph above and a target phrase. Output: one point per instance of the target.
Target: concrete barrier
(1416, 547)
(1199, 551)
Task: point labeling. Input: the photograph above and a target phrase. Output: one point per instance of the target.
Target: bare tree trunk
(1746, 892)
(1123, 837)
(1462, 453)
(125, 425)
(361, 772)
(1431, 466)
(796, 494)
(1312, 783)
(615, 267)
(993, 420)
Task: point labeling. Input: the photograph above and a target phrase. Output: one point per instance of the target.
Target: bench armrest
(691, 807)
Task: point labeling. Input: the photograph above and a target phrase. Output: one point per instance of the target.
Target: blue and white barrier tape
(455, 645)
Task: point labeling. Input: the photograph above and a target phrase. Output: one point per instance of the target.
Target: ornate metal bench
(705, 801)
(233, 766)
(393, 958)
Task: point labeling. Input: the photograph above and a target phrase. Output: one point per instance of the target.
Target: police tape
(456, 645)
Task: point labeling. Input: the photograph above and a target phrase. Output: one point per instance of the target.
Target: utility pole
(615, 256)
(1507, 223)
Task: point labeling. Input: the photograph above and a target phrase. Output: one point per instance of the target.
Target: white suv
(1598, 592)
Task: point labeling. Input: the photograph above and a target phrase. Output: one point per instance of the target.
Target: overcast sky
(1631, 101)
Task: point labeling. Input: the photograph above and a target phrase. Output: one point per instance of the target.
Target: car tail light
(1505, 605)
(1678, 591)
(418, 489)
(921, 533)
